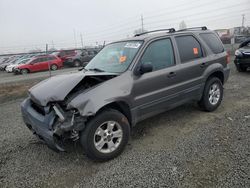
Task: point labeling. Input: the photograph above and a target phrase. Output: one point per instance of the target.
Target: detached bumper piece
(45, 123)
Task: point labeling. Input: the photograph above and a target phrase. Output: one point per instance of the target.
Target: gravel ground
(184, 147)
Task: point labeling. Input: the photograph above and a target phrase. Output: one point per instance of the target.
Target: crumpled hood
(58, 87)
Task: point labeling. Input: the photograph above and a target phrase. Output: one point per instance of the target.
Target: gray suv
(127, 81)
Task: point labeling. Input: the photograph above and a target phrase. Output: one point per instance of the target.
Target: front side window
(115, 57)
(189, 48)
(159, 54)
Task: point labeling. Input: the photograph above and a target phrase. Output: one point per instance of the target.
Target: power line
(220, 16)
(125, 29)
(201, 13)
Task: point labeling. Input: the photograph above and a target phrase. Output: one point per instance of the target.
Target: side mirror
(31, 63)
(144, 68)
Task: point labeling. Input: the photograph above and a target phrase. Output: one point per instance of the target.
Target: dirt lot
(10, 78)
(184, 147)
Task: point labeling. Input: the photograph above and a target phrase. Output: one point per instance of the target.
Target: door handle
(171, 74)
(203, 65)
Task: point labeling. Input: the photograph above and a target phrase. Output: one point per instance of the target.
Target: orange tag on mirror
(195, 50)
(123, 59)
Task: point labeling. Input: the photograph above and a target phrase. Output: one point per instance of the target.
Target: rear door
(158, 90)
(44, 64)
(193, 63)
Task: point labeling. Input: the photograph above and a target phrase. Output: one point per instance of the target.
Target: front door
(158, 90)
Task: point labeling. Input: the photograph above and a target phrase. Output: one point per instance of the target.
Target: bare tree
(182, 25)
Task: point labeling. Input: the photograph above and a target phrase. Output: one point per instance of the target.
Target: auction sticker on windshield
(132, 45)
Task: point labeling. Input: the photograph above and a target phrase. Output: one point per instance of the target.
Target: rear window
(213, 42)
(189, 48)
(69, 52)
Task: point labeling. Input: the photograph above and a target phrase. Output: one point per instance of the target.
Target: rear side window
(189, 48)
(69, 52)
(213, 42)
(159, 54)
(51, 58)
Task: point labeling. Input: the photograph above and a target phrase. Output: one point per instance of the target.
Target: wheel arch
(215, 70)
(120, 106)
(26, 69)
(219, 74)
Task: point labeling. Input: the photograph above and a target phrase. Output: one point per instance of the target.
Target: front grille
(40, 109)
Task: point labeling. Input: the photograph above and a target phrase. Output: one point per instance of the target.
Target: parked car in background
(242, 56)
(128, 81)
(11, 60)
(11, 67)
(3, 59)
(40, 63)
(81, 58)
(64, 54)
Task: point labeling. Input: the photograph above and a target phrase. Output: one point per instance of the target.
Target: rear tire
(77, 63)
(212, 95)
(106, 135)
(54, 67)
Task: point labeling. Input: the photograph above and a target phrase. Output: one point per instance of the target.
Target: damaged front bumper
(48, 127)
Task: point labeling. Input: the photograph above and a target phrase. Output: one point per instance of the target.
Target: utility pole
(47, 47)
(142, 24)
(81, 40)
(75, 37)
(243, 20)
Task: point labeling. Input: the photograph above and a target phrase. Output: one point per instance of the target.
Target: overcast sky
(29, 24)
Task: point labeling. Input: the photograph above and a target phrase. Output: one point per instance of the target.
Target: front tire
(24, 71)
(106, 135)
(212, 95)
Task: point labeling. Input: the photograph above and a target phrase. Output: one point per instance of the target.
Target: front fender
(116, 89)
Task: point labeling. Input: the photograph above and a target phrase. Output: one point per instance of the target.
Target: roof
(160, 33)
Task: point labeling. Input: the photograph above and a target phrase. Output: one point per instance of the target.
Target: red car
(65, 54)
(40, 63)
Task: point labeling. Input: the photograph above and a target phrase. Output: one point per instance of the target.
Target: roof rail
(194, 28)
(170, 30)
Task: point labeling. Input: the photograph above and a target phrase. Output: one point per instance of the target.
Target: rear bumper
(40, 125)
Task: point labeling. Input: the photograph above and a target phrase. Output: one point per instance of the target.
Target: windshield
(115, 57)
(24, 61)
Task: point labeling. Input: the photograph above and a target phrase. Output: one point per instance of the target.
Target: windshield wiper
(82, 68)
(96, 70)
